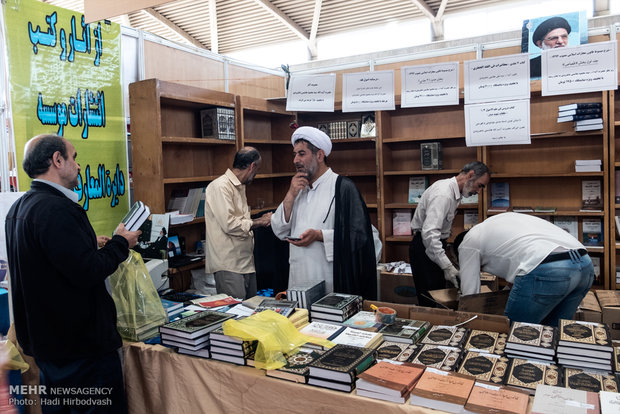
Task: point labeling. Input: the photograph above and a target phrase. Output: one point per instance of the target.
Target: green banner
(65, 78)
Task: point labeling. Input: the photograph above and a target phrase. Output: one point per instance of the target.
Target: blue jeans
(550, 292)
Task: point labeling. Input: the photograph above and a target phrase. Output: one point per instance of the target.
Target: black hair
(457, 241)
(38, 157)
(245, 157)
(477, 167)
(163, 230)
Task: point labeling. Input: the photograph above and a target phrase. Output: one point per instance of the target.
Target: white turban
(314, 136)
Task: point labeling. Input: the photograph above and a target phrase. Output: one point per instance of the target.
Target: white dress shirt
(434, 215)
(509, 245)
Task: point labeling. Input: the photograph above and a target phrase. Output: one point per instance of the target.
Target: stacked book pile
(442, 347)
(306, 295)
(299, 318)
(404, 330)
(320, 330)
(587, 116)
(138, 328)
(191, 334)
(588, 380)
(297, 368)
(335, 307)
(484, 357)
(389, 381)
(231, 349)
(588, 165)
(173, 309)
(532, 341)
(364, 320)
(441, 390)
(337, 368)
(283, 307)
(358, 337)
(584, 345)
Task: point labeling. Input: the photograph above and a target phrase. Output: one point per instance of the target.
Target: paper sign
(504, 78)
(368, 91)
(586, 68)
(311, 93)
(499, 123)
(430, 85)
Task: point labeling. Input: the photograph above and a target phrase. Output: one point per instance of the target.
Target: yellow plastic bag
(10, 358)
(138, 306)
(276, 337)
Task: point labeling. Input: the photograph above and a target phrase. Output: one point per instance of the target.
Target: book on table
(582, 334)
(389, 379)
(496, 399)
(337, 303)
(532, 338)
(306, 295)
(588, 380)
(283, 307)
(527, 374)
(357, 337)
(201, 353)
(485, 366)
(574, 363)
(297, 367)
(216, 301)
(390, 350)
(405, 330)
(610, 401)
(440, 390)
(364, 320)
(342, 363)
(446, 358)
(196, 325)
(548, 399)
(486, 341)
(446, 335)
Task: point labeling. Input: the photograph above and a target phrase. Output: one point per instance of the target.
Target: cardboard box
(495, 323)
(397, 288)
(492, 303)
(589, 309)
(610, 304)
(448, 298)
(489, 280)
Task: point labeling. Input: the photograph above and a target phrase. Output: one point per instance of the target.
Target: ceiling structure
(225, 26)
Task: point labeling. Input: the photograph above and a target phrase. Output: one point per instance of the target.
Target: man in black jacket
(64, 316)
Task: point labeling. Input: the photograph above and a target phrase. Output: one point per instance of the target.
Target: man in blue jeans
(550, 270)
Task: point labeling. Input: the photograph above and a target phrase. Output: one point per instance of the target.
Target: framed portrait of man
(549, 32)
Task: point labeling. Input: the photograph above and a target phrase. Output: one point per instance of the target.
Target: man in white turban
(318, 216)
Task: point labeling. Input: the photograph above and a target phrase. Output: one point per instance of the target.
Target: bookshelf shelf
(196, 141)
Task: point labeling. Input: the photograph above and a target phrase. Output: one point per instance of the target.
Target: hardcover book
(408, 354)
(446, 335)
(447, 391)
(342, 363)
(485, 341)
(580, 105)
(496, 399)
(579, 379)
(201, 353)
(591, 195)
(431, 156)
(568, 223)
(527, 374)
(550, 399)
(337, 303)
(321, 330)
(137, 214)
(405, 330)
(616, 359)
(401, 222)
(396, 379)
(417, 185)
(446, 358)
(283, 307)
(297, 367)
(592, 229)
(610, 401)
(485, 366)
(500, 196)
(531, 337)
(195, 325)
(216, 301)
(581, 334)
(390, 350)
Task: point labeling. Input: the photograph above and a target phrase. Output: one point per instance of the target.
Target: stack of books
(191, 334)
(306, 295)
(532, 341)
(231, 349)
(173, 309)
(588, 165)
(335, 307)
(136, 328)
(445, 358)
(486, 398)
(283, 307)
(299, 318)
(364, 320)
(550, 399)
(587, 380)
(527, 374)
(396, 351)
(587, 116)
(585, 345)
(297, 368)
(137, 215)
(337, 368)
(446, 335)
(485, 366)
(389, 381)
(486, 341)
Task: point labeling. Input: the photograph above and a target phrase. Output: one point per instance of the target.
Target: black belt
(554, 257)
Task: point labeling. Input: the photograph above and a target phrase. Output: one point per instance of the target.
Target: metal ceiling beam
(163, 20)
(436, 19)
(213, 29)
(280, 15)
(315, 28)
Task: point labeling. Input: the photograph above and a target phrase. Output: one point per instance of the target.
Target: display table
(158, 380)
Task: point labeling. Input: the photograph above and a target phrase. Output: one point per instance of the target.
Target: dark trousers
(92, 385)
(426, 274)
